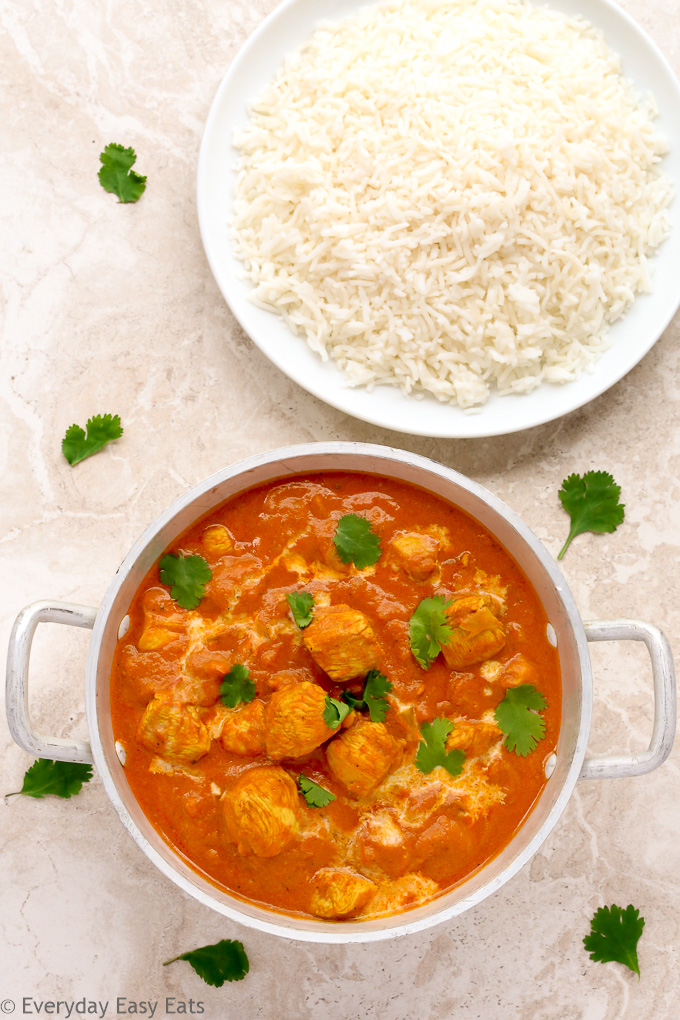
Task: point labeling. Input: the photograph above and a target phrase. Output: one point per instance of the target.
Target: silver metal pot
(571, 635)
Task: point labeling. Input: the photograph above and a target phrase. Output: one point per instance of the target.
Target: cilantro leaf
(374, 698)
(236, 687)
(357, 703)
(61, 778)
(429, 629)
(592, 502)
(186, 576)
(302, 607)
(224, 961)
(101, 429)
(375, 691)
(117, 177)
(334, 712)
(432, 748)
(355, 541)
(614, 935)
(314, 794)
(516, 716)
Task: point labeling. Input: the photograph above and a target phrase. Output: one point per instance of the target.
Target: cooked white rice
(448, 195)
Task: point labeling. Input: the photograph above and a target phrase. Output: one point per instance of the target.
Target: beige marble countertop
(113, 308)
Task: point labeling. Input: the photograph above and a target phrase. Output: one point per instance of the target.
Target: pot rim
(339, 932)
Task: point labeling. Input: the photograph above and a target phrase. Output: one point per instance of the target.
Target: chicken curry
(326, 722)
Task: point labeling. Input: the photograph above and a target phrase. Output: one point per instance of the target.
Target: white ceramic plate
(286, 29)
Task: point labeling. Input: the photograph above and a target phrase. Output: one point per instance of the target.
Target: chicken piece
(152, 672)
(362, 756)
(261, 811)
(217, 541)
(403, 721)
(339, 893)
(475, 793)
(407, 891)
(444, 841)
(491, 670)
(516, 671)
(231, 575)
(423, 799)
(173, 731)
(491, 585)
(214, 719)
(416, 554)
(476, 633)
(473, 736)
(163, 621)
(350, 719)
(288, 677)
(199, 683)
(341, 641)
(209, 663)
(191, 690)
(379, 842)
(294, 723)
(243, 730)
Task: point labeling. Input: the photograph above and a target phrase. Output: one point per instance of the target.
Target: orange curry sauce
(417, 834)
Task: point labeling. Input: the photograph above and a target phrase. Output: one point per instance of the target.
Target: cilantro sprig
(356, 542)
(315, 795)
(592, 502)
(117, 177)
(373, 699)
(429, 629)
(334, 712)
(614, 935)
(223, 961)
(517, 717)
(302, 607)
(187, 577)
(236, 687)
(59, 778)
(101, 429)
(432, 748)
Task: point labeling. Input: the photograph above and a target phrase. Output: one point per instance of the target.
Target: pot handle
(663, 675)
(16, 690)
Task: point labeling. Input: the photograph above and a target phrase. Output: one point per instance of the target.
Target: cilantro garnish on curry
(373, 698)
(428, 629)
(336, 696)
(517, 715)
(314, 794)
(301, 607)
(186, 576)
(237, 688)
(335, 712)
(356, 542)
(432, 749)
